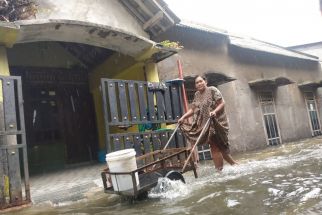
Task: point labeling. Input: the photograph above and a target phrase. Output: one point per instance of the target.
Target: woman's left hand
(212, 114)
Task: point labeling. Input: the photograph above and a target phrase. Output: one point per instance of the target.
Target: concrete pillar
(151, 71)
(4, 66)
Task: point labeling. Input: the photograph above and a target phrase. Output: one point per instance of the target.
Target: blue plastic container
(101, 156)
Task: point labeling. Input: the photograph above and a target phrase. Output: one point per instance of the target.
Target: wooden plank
(180, 139)
(156, 141)
(169, 18)
(147, 147)
(164, 139)
(4, 146)
(168, 151)
(104, 87)
(167, 101)
(175, 102)
(138, 148)
(9, 105)
(172, 143)
(133, 10)
(160, 105)
(152, 116)
(137, 144)
(117, 143)
(180, 143)
(147, 143)
(128, 142)
(122, 124)
(23, 139)
(26, 174)
(181, 111)
(2, 118)
(150, 14)
(3, 166)
(112, 102)
(10, 115)
(173, 153)
(12, 132)
(142, 102)
(123, 101)
(153, 21)
(14, 177)
(133, 101)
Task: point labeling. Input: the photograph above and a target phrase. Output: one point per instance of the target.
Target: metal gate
(14, 175)
(128, 103)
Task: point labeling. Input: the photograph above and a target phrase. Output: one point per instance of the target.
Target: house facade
(61, 50)
(271, 93)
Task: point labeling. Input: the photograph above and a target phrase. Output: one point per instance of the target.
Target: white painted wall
(104, 12)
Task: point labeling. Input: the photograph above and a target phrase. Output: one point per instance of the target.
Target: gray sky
(282, 22)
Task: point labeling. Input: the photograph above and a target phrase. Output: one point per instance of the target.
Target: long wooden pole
(197, 142)
(185, 100)
(174, 131)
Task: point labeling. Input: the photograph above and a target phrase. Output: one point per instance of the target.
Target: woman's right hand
(180, 121)
(186, 115)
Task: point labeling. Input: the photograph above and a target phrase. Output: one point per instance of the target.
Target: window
(312, 113)
(269, 118)
(204, 152)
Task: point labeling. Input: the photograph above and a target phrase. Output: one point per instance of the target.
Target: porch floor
(66, 185)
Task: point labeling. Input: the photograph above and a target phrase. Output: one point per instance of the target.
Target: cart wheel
(174, 176)
(142, 196)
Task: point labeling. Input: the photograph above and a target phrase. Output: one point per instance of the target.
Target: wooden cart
(160, 163)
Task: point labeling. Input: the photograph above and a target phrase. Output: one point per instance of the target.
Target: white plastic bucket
(122, 161)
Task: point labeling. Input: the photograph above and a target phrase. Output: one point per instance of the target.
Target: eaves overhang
(213, 79)
(310, 85)
(84, 33)
(28, 31)
(269, 82)
(264, 47)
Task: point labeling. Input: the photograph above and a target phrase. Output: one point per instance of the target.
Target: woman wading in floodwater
(208, 102)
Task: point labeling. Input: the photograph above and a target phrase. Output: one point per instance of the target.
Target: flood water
(278, 180)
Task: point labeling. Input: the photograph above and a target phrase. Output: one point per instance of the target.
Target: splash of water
(210, 196)
(312, 194)
(168, 189)
(232, 203)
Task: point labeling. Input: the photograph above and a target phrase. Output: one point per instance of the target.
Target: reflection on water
(279, 180)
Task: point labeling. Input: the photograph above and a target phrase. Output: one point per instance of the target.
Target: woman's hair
(201, 76)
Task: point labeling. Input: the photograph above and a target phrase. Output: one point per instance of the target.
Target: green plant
(171, 44)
